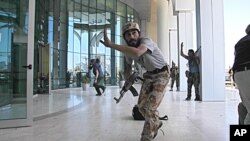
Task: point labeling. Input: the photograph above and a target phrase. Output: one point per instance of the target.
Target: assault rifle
(128, 86)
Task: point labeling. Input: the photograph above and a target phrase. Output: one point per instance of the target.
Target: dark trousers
(193, 79)
(99, 84)
(97, 88)
(242, 111)
(176, 80)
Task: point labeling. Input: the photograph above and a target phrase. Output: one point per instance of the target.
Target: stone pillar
(56, 23)
(63, 45)
(210, 30)
(162, 28)
(152, 23)
(185, 25)
(143, 28)
(185, 35)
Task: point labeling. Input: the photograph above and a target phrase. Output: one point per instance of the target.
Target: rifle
(128, 86)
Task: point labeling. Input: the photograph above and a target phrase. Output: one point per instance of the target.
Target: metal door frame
(28, 121)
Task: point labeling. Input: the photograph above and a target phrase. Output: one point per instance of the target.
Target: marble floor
(76, 115)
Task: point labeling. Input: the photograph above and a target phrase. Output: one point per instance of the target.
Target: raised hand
(106, 41)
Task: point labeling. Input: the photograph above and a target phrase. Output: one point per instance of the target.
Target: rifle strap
(133, 91)
(164, 117)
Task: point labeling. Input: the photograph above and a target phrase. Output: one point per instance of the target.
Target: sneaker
(103, 89)
(98, 94)
(159, 126)
(188, 98)
(171, 90)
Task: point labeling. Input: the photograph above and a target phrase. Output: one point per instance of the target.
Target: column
(63, 44)
(56, 23)
(162, 28)
(185, 25)
(211, 38)
(185, 35)
(152, 23)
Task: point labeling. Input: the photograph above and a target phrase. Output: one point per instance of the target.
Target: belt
(242, 68)
(159, 70)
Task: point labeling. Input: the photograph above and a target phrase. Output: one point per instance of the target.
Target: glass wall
(13, 57)
(69, 32)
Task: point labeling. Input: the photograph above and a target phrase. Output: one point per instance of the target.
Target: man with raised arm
(146, 53)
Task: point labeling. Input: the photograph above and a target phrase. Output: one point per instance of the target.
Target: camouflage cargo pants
(151, 95)
(176, 80)
(193, 79)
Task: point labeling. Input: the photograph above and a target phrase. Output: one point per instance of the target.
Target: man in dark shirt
(193, 74)
(241, 69)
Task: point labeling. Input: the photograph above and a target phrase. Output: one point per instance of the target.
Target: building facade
(47, 45)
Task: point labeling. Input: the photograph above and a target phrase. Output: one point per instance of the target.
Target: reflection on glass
(13, 53)
(78, 31)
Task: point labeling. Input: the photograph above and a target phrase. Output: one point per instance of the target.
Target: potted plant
(121, 79)
(85, 82)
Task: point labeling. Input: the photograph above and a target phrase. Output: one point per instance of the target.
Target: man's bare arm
(130, 51)
(182, 54)
(96, 76)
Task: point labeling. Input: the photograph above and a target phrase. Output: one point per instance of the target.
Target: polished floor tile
(76, 115)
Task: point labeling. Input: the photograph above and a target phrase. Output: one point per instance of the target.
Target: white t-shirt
(150, 60)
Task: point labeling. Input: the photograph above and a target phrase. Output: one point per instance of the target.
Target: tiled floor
(76, 115)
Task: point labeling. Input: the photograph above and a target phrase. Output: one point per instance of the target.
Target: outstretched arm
(182, 54)
(130, 51)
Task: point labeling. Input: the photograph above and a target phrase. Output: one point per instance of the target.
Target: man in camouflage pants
(151, 95)
(174, 75)
(146, 53)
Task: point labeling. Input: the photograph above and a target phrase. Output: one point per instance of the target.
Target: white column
(30, 60)
(143, 27)
(162, 28)
(173, 34)
(185, 28)
(173, 46)
(185, 32)
(212, 49)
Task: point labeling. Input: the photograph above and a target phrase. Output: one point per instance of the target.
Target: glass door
(16, 59)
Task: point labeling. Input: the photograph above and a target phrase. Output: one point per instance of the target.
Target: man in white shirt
(146, 53)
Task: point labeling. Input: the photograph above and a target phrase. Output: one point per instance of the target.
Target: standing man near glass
(241, 71)
(193, 74)
(99, 77)
(146, 53)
